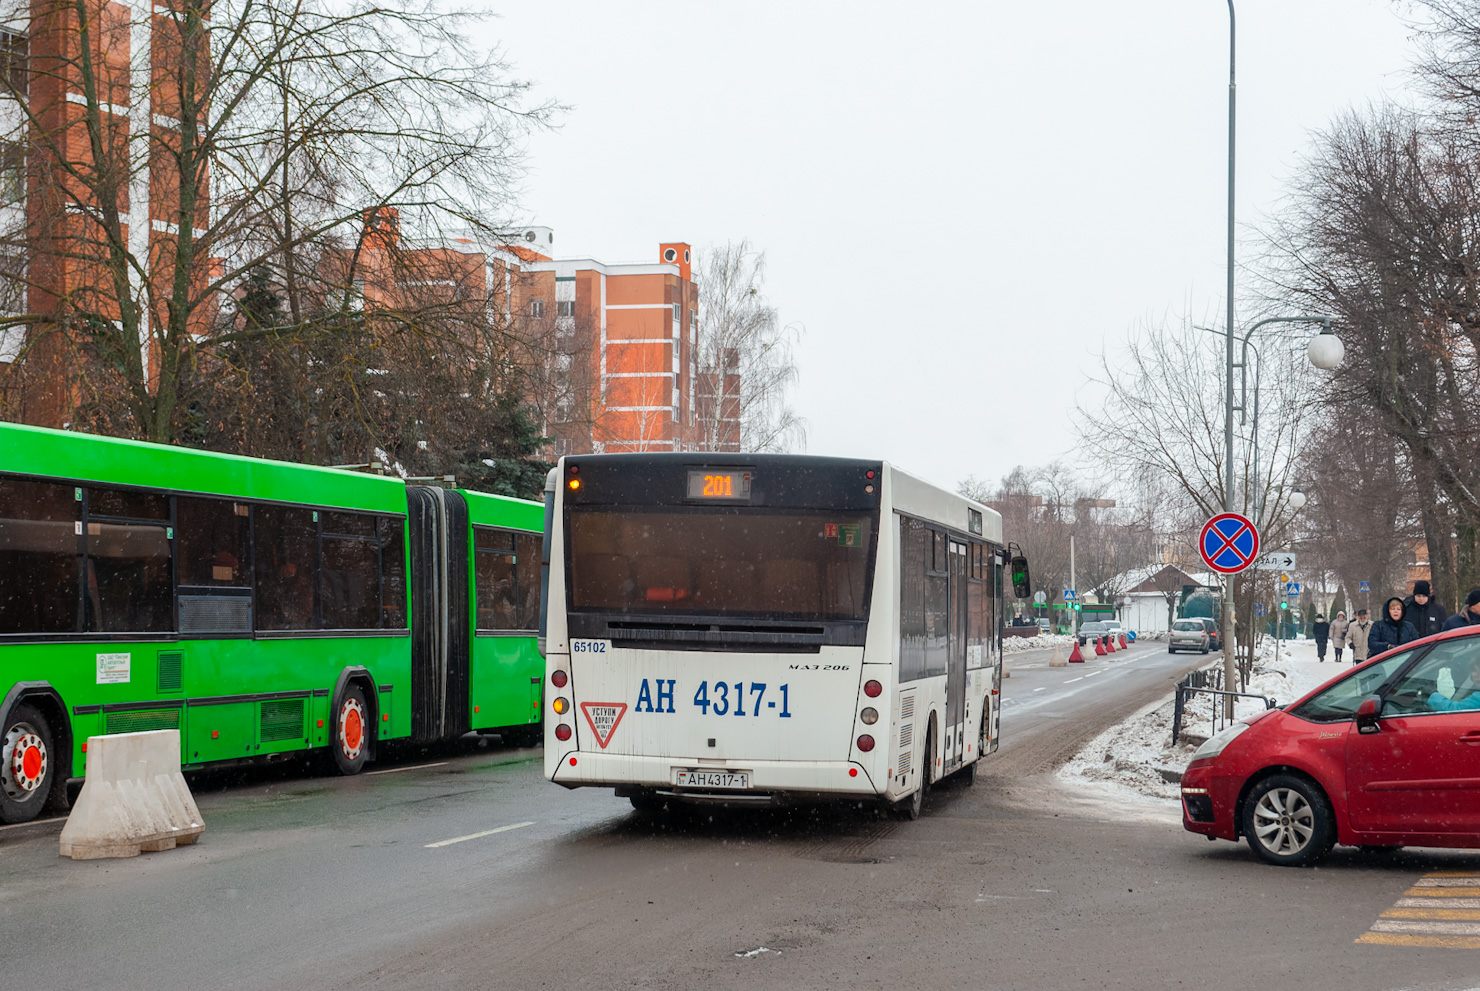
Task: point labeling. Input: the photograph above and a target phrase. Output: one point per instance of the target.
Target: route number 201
(723, 698)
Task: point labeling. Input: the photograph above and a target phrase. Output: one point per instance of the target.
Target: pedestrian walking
(1356, 636)
(1322, 632)
(1469, 615)
(1392, 630)
(1338, 633)
(1423, 610)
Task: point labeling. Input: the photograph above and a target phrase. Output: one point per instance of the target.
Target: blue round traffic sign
(1229, 543)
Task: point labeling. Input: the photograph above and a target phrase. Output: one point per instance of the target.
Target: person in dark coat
(1392, 630)
(1421, 609)
(1321, 630)
(1469, 615)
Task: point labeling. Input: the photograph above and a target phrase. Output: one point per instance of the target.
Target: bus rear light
(572, 762)
(852, 772)
(573, 484)
(865, 743)
(869, 716)
(559, 678)
(872, 689)
(562, 732)
(560, 705)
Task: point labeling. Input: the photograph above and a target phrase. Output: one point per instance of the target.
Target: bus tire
(27, 764)
(352, 729)
(651, 804)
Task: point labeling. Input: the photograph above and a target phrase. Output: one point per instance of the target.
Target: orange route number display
(719, 485)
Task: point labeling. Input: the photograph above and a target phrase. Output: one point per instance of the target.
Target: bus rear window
(753, 563)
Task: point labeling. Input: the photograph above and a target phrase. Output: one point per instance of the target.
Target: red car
(1386, 755)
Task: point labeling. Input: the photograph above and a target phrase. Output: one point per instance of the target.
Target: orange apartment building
(134, 55)
(616, 344)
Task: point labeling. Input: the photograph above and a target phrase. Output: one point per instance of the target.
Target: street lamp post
(1325, 352)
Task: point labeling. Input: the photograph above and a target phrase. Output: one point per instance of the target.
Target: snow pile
(1016, 645)
(1137, 759)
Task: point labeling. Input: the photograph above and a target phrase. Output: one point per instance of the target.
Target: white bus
(767, 628)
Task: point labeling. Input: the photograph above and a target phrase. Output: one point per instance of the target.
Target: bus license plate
(735, 780)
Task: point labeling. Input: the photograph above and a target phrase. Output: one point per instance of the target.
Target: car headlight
(1214, 745)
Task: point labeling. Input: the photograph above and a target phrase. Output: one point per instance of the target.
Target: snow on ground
(1136, 761)
(1016, 645)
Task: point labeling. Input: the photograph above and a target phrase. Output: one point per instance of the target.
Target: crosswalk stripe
(1446, 903)
(1428, 926)
(1441, 909)
(1432, 913)
(1437, 942)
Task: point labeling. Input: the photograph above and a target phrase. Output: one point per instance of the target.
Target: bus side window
(286, 565)
(391, 532)
(914, 551)
(128, 579)
(39, 577)
(493, 573)
(527, 578)
(211, 542)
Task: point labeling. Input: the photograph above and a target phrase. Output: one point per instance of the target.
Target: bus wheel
(647, 803)
(25, 764)
(351, 731)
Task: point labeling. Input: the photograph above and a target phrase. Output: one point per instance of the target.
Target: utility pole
(1074, 614)
(1230, 669)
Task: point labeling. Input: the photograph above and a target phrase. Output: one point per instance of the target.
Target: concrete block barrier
(134, 799)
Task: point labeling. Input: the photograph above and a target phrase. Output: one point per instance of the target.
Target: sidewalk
(1136, 760)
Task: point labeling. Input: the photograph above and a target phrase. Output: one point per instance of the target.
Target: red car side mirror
(1367, 715)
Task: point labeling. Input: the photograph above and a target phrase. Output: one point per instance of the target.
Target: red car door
(1420, 772)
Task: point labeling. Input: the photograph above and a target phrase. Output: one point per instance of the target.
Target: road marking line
(1429, 902)
(418, 767)
(1043, 689)
(1438, 942)
(1093, 673)
(478, 836)
(1440, 910)
(1453, 914)
(1072, 680)
(1441, 928)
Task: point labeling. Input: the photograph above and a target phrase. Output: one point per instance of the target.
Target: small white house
(1144, 607)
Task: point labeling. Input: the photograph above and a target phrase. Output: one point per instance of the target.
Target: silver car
(1188, 634)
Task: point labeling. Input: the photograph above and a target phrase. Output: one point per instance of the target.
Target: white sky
(961, 203)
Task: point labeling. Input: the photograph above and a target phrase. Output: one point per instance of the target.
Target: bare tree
(242, 140)
(744, 365)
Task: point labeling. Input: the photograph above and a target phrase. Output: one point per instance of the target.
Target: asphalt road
(465, 869)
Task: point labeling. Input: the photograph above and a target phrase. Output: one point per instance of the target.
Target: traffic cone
(1075, 657)
(1099, 646)
(1122, 642)
(1109, 645)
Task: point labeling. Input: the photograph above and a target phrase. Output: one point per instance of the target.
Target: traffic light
(1284, 604)
(1076, 607)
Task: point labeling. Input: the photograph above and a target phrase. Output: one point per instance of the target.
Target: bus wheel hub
(24, 761)
(351, 728)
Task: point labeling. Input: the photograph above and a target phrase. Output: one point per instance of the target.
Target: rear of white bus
(707, 626)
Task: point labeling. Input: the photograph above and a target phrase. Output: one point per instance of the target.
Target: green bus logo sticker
(113, 669)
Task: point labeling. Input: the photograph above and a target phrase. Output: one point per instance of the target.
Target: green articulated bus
(258, 607)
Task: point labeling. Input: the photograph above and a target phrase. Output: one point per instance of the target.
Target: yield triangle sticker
(603, 717)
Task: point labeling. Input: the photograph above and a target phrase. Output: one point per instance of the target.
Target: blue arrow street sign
(1292, 588)
(1070, 595)
(1258, 609)
(1364, 586)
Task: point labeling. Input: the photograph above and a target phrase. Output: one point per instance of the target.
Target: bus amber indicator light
(865, 743)
(562, 732)
(560, 706)
(559, 678)
(872, 688)
(574, 484)
(869, 716)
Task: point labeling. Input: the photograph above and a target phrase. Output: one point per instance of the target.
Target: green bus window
(527, 578)
(493, 574)
(286, 561)
(128, 504)
(211, 542)
(348, 524)
(392, 573)
(38, 557)
(349, 584)
(128, 588)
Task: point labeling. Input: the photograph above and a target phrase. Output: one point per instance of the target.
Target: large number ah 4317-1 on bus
(762, 629)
